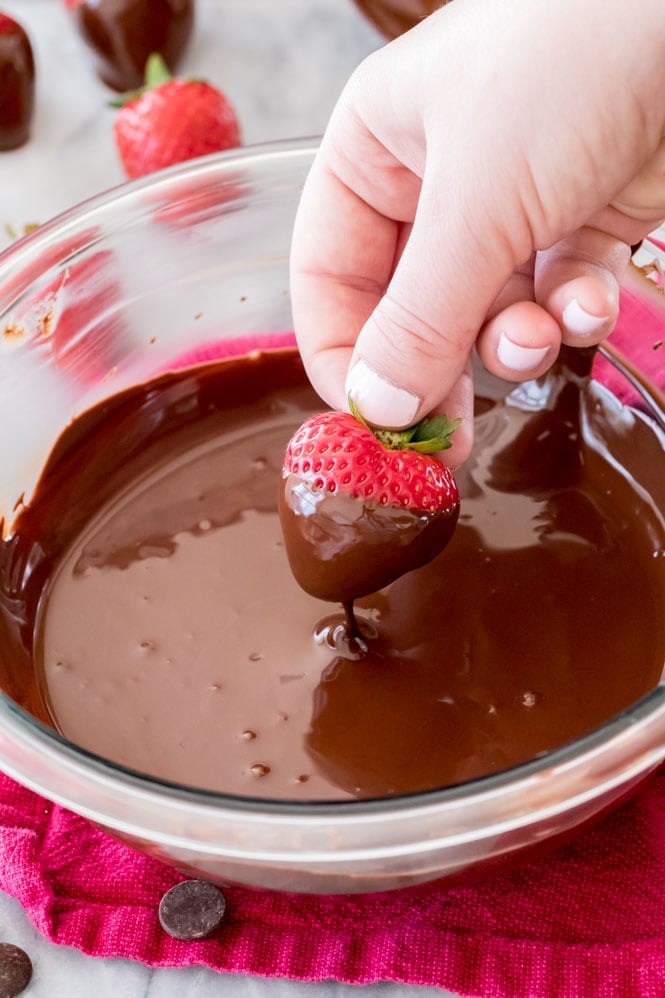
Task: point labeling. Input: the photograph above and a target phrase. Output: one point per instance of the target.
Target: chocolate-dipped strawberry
(17, 84)
(123, 33)
(360, 507)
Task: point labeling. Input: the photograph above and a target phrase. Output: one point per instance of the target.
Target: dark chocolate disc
(193, 909)
(15, 970)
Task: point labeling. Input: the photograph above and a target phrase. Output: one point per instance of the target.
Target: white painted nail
(517, 357)
(379, 401)
(580, 322)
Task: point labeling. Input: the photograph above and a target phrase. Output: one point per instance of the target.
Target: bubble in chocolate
(192, 910)
(15, 970)
(259, 769)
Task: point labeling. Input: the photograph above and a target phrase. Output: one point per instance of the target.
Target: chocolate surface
(148, 603)
(17, 84)
(393, 17)
(349, 548)
(123, 33)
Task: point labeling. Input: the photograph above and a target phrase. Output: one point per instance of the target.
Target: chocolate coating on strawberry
(17, 84)
(359, 507)
(124, 33)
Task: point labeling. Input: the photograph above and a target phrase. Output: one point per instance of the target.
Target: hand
(480, 182)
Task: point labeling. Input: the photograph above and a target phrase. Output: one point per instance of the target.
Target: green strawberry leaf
(426, 437)
(156, 74)
(434, 434)
(355, 411)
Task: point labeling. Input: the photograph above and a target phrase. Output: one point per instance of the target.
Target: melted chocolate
(123, 33)
(340, 549)
(148, 607)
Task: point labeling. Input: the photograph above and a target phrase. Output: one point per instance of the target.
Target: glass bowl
(81, 302)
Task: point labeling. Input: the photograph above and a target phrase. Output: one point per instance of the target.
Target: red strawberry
(170, 121)
(124, 33)
(17, 84)
(359, 507)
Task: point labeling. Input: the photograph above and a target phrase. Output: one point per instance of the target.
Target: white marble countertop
(282, 65)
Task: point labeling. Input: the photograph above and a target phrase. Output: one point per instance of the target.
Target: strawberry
(17, 84)
(122, 34)
(359, 506)
(170, 121)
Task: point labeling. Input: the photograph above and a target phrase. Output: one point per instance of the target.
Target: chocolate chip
(192, 910)
(15, 970)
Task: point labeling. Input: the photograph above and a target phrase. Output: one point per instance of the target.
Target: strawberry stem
(427, 437)
(156, 71)
(156, 74)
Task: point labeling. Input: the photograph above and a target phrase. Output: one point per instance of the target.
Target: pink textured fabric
(586, 921)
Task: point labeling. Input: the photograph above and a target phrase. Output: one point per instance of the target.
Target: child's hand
(480, 182)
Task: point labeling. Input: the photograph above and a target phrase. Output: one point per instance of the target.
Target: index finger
(342, 258)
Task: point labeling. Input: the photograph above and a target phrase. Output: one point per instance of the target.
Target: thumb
(414, 347)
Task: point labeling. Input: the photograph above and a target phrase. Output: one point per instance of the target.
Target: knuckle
(407, 335)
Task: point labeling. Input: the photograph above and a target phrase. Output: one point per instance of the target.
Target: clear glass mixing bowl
(102, 298)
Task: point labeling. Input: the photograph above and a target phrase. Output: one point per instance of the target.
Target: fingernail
(517, 357)
(379, 401)
(577, 320)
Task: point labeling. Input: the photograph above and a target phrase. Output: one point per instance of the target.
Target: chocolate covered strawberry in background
(171, 120)
(122, 34)
(17, 84)
(359, 507)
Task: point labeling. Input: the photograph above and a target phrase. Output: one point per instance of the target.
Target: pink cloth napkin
(586, 921)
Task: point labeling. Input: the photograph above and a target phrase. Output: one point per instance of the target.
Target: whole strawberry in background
(17, 84)
(122, 34)
(359, 507)
(172, 120)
